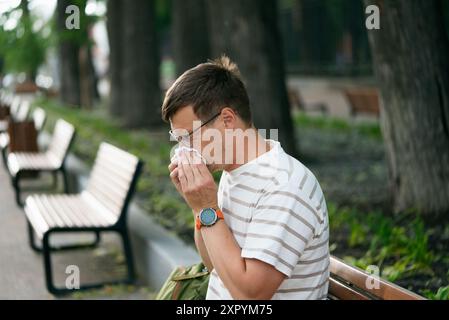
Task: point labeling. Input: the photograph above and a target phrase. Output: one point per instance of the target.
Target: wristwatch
(208, 217)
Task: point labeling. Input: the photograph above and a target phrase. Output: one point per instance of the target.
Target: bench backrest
(6, 98)
(39, 118)
(15, 105)
(113, 178)
(363, 100)
(61, 140)
(24, 110)
(350, 283)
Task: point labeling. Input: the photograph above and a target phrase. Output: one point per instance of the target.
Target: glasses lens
(185, 141)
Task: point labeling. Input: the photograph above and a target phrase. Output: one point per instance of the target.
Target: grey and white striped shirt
(276, 210)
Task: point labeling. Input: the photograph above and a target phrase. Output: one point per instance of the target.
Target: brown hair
(209, 87)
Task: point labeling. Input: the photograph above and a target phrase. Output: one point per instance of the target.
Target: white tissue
(175, 157)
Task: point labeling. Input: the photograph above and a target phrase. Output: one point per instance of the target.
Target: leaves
(22, 47)
(399, 246)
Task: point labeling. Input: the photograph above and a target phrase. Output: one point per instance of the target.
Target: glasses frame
(187, 136)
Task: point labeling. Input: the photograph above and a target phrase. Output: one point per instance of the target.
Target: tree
(135, 63)
(68, 50)
(319, 32)
(115, 36)
(410, 54)
(247, 31)
(22, 47)
(76, 72)
(190, 34)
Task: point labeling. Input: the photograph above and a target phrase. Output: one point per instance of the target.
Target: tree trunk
(319, 35)
(88, 83)
(68, 50)
(190, 34)
(115, 28)
(410, 54)
(355, 24)
(140, 67)
(87, 77)
(247, 31)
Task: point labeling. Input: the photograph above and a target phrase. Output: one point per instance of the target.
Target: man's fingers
(174, 174)
(193, 162)
(187, 169)
(202, 168)
(172, 166)
(182, 177)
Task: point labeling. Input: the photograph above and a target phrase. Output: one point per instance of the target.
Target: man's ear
(229, 117)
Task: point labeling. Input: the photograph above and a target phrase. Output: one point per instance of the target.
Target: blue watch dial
(208, 217)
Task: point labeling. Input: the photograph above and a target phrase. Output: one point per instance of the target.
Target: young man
(264, 231)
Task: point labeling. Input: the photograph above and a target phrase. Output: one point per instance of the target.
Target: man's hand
(194, 182)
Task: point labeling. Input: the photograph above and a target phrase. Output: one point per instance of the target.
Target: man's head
(212, 93)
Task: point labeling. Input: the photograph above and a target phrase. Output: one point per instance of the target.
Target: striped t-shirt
(276, 210)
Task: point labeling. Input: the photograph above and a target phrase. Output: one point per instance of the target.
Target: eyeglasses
(185, 139)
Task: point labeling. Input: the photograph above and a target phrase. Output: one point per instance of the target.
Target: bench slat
(39, 118)
(341, 291)
(353, 275)
(63, 204)
(61, 139)
(111, 177)
(113, 200)
(23, 111)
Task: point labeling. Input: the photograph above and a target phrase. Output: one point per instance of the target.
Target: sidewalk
(21, 269)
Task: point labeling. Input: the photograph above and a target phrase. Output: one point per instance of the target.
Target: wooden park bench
(296, 101)
(19, 110)
(39, 118)
(52, 160)
(350, 283)
(22, 112)
(363, 101)
(101, 207)
(5, 97)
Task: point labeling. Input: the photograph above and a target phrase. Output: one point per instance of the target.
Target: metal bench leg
(16, 185)
(128, 256)
(55, 180)
(35, 247)
(47, 264)
(46, 250)
(32, 240)
(5, 158)
(66, 181)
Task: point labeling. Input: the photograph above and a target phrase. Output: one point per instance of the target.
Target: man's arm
(244, 278)
(173, 168)
(202, 250)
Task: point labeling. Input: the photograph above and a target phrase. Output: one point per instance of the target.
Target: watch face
(208, 217)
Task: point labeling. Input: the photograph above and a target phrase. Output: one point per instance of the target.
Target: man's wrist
(205, 221)
(196, 211)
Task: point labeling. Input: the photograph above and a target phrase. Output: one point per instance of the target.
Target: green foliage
(397, 245)
(328, 123)
(163, 14)
(441, 294)
(23, 47)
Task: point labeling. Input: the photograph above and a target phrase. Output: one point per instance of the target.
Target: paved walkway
(21, 269)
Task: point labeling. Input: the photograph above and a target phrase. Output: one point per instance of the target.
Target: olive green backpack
(186, 283)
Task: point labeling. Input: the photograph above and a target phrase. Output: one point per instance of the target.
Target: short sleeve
(279, 230)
